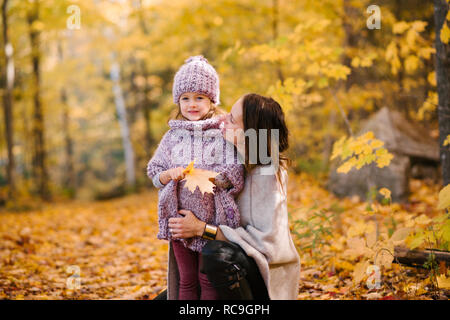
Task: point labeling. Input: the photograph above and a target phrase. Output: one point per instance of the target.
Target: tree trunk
(416, 258)
(146, 106)
(443, 87)
(275, 22)
(145, 101)
(328, 140)
(121, 113)
(69, 172)
(39, 157)
(7, 101)
(350, 41)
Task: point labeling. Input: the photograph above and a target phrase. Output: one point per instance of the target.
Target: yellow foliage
(367, 60)
(443, 281)
(392, 57)
(360, 271)
(447, 141)
(429, 105)
(432, 78)
(400, 27)
(422, 220)
(444, 198)
(426, 52)
(445, 33)
(385, 192)
(411, 63)
(361, 150)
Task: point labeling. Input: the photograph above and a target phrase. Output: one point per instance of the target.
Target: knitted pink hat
(198, 76)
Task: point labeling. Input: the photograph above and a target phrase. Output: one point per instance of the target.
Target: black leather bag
(232, 272)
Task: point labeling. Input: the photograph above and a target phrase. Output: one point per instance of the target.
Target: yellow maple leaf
(443, 282)
(198, 178)
(189, 167)
(359, 271)
(444, 198)
(384, 254)
(422, 220)
(400, 235)
(346, 167)
(367, 136)
(411, 63)
(447, 141)
(357, 146)
(384, 160)
(432, 78)
(385, 192)
(337, 148)
(356, 61)
(356, 247)
(376, 144)
(445, 33)
(400, 27)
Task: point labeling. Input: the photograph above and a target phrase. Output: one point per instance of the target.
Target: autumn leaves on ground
(109, 250)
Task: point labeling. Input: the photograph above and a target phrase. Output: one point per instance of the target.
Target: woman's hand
(186, 227)
(171, 174)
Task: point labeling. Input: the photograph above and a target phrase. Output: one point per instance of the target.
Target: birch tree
(7, 99)
(125, 132)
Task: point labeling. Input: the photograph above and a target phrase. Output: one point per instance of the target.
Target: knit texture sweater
(202, 142)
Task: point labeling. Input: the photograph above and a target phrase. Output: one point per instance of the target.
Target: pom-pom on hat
(198, 76)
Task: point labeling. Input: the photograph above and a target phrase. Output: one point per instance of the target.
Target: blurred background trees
(62, 133)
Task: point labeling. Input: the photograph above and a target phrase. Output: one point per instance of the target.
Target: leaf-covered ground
(109, 250)
(113, 243)
(330, 270)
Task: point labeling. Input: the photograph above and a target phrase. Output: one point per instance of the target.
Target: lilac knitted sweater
(200, 140)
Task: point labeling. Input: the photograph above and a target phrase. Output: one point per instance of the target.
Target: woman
(264, 237)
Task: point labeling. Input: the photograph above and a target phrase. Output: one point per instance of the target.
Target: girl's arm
(159, 162)
(232, 179)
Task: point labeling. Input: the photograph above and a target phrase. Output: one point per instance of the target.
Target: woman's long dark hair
(261, 112)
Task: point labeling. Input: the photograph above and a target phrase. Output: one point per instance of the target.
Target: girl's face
(194, 106)
(233, 123)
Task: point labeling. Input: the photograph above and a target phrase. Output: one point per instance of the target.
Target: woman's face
(194, 106)
(233, 123)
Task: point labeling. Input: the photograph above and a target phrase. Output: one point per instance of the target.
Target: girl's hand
(171, 174)
(186, 227)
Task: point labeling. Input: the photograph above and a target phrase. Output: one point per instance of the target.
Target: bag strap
(236, 274)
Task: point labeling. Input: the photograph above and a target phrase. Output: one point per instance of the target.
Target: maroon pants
(188, 262)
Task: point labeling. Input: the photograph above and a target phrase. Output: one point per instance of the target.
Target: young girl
(194, 135)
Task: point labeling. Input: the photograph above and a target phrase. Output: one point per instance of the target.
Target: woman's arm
(189, 226)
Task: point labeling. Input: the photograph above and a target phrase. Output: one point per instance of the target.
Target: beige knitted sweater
(264, 235)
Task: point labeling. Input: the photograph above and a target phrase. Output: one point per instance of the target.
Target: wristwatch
(210, 232)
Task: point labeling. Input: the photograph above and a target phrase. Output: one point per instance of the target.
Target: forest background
(86, 95)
